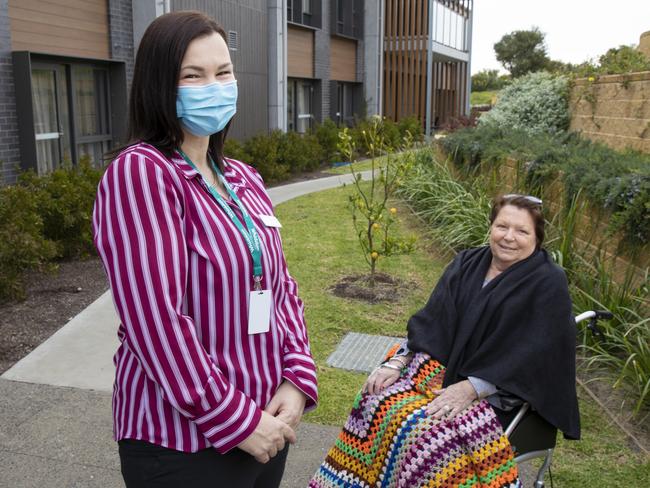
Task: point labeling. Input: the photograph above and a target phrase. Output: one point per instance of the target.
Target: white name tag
(259, 312)
(270, 221)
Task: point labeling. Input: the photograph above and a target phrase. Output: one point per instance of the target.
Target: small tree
(522, 52)
(488, 79)
(371, 218)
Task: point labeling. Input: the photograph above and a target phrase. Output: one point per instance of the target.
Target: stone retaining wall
(613, 109)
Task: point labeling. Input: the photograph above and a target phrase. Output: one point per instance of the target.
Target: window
(50, 113)
(300, 105)
(91, 115)
(162, 7)
(304, 12)
(345, 99)
(347, 18)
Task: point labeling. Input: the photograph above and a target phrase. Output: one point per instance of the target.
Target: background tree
(522, 52)
(488, 79)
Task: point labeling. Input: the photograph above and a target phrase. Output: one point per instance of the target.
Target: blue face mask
(205, 110)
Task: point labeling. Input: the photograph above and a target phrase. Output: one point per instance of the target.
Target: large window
(61, 139)
(67, 108)
(300, 105)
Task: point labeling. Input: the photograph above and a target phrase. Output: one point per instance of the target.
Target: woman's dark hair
(152, 105)
(526, 202)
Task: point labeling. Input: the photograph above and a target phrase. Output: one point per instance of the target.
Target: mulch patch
(387, 288)
(52, 300)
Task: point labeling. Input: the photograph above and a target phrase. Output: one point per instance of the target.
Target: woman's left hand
(287, 404)
(452, 400)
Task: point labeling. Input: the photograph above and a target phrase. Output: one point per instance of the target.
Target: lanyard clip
(258, 282)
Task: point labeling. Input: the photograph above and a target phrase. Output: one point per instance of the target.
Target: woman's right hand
(380, 378)
(268, 438)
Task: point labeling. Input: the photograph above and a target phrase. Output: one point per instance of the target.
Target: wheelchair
(530, 435)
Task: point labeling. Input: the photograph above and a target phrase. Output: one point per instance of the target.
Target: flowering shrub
(537, 102)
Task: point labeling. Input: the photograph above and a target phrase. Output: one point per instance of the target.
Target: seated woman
(499, 323)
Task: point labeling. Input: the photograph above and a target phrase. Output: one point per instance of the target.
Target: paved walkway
(55, 404)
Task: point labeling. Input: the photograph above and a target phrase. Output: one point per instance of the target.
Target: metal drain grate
(361, 352)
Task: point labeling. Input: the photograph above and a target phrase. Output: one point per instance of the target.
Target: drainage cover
(361, 352)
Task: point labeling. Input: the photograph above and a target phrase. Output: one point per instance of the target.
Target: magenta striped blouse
(188, 374)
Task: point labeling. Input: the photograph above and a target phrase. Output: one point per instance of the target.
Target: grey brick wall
(9, 152)
(120, 20)
(322, 63)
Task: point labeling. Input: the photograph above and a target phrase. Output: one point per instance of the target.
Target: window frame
(114, 103)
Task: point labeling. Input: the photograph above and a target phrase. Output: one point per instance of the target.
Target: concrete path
(55, 403)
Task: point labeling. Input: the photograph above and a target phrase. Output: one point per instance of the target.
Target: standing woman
(214, 369)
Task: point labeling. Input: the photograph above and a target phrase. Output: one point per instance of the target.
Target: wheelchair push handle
(594, 316)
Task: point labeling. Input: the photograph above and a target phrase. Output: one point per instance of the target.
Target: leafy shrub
(618, 182)
(457, 214)
(537, 102)
(64, 200)
(264, 155)
(387, 131)
(300, 152)
(327, 134)
(22, 245)
(235, 150)
(616, 61)
(413, 126)
(460, 122)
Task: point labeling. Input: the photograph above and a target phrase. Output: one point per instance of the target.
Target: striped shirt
(188, 374)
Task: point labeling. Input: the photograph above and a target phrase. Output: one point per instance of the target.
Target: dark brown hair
(152, 105)
(524, 202)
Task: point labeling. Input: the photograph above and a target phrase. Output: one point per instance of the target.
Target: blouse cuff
(483, 388)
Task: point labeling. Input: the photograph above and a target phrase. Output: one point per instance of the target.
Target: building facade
(65, 68)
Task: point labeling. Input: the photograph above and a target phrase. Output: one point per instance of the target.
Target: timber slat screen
(406, 37)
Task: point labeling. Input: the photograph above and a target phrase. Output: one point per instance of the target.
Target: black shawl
(517, 332)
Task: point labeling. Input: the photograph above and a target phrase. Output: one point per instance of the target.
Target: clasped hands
(449, 401)
(279, 419)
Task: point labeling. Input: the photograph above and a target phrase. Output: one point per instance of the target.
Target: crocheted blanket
(390, 441)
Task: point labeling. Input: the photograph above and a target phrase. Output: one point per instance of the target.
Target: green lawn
(483, 98)
(321, 247)
(364, 165)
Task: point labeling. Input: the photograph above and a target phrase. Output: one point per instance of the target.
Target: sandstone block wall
(613, 109)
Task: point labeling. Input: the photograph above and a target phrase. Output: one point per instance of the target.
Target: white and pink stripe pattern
(189, 376)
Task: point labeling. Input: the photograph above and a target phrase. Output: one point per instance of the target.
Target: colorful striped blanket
(390, 441)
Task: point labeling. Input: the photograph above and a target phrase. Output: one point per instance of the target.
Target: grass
(483, 98)
(364, 165)
(321, 247)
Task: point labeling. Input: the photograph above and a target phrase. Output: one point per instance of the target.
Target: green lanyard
(250, 235)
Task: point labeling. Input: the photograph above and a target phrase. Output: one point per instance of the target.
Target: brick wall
(322, 61)
(614, 109)
(9, 152)
(120, 21)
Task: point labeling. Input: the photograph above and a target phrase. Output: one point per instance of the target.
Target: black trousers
(146, 465)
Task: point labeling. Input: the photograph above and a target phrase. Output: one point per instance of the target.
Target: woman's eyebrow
(199, 68)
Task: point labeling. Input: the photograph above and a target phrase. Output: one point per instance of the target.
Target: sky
(576, 30)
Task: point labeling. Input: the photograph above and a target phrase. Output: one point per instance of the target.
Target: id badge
(259, 311)
(271, 221)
